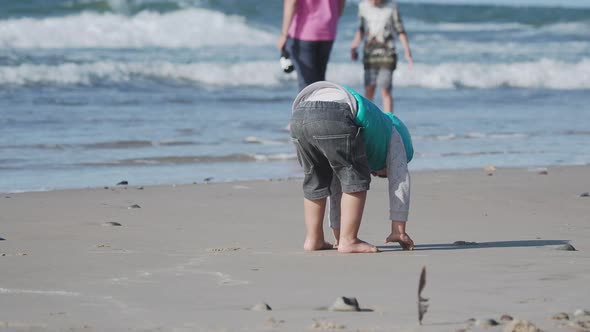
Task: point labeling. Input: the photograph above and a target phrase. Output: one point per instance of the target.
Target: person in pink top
(308, 33)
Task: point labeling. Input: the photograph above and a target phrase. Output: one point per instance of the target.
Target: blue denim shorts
(329, 143)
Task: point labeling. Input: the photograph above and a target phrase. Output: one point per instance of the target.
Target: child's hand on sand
(404, 240)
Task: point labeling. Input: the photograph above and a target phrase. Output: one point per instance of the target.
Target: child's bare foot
(319, 245)
(357, 246)
(404, 240)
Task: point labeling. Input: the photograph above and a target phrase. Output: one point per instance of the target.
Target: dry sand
(197, 257)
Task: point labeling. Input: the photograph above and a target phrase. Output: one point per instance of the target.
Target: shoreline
(199, 257)
(204, 181)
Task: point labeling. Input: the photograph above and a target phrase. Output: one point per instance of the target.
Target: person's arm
(398, 178)
(403, 37)
(341, 4)
(289, 8)
(406, 45)
(358, 37)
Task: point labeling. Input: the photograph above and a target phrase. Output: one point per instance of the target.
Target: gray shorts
(329, 143)
(383, 77)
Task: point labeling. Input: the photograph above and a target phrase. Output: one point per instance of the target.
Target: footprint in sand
(223, 249)
(326, 325)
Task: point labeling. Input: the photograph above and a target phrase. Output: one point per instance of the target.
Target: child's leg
(335, 207)
(370, 82)
(370, 91)
(385, 81)
(399, 192)
(353, 205)
(350, 211)
(313, 211)
(387, 100)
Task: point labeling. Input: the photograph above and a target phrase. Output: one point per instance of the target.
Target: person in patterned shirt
(380, 21)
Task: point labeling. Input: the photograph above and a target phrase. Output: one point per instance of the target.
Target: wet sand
(199, 257)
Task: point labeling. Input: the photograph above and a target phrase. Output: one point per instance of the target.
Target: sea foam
(187, 28)
(544, 73)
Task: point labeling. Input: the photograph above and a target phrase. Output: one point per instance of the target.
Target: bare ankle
(355, 246)
(317, 245)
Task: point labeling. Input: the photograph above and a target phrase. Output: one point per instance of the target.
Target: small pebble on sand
(486, 323)
(111, 223)
(560, 316)
(261, 307)
(506, 318)
(586, 194)
(345, 304)
(134, 206)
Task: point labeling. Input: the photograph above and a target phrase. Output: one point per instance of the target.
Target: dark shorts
(329, 143)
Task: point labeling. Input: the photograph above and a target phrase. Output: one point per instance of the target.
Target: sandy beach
(198, 257)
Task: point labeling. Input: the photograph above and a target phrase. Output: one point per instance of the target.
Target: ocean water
(93, 92)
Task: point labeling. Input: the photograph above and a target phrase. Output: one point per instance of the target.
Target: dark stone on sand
(122, 183)
(566, 247)
(506, 318)
(2, 239)
(560, 316)
(111, 223)
(261, 307)
(464, 243)
(586, 194)
(134, 206)
(486, 323)
(208, 179)
(345, 304)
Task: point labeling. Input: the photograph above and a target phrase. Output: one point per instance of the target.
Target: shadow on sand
(460, 245)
